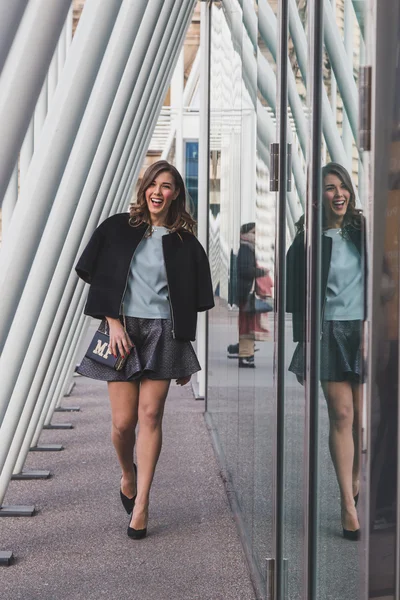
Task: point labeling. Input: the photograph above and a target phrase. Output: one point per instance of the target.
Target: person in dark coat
(149, 277)
(343, 310)
(250, 278)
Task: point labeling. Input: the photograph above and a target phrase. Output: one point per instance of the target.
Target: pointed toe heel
(128, 503)
(351, 535)
(137, 534)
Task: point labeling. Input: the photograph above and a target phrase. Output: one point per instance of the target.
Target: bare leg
(357, 428)
(339, 396)
(124, 396)
(151, 409)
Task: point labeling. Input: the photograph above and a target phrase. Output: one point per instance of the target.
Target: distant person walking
(148, 276)
(253, 296)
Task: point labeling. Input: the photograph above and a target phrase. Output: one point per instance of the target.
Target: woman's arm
(205, 295)
(87, 262)
(120, 342)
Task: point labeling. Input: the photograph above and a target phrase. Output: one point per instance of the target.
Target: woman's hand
(120, 342)
(183, 380)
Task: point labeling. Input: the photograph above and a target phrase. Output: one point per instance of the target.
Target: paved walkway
(76, 547)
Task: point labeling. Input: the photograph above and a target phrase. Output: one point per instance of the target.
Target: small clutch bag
(99, 351)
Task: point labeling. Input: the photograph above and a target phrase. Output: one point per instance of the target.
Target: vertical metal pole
(155, 101)
(62, 48)
(313, 322)
(338, 58)
(204, 159)
(67, 369)
(10, 18)
(40, 114)
(25, 156)
(23, 75)
(280, 317)
(52, 77)
(270, 579)
(348, 44)
(68, 29)
(34, 411)
(49, 161)
(10, 200)
(333, 79)
(177, 86)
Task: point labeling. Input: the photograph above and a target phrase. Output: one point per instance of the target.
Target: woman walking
(343, 311)
(148, 276)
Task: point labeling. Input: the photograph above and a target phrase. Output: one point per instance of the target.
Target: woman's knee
(151, 416)
(341, 416)
(123, 427)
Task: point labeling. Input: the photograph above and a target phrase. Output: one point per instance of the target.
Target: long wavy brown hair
(178, 217)
(353, 215)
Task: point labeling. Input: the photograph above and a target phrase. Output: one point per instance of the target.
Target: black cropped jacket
(105, 265)
(296, 275)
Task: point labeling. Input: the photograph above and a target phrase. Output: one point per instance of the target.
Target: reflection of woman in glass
(343, 310)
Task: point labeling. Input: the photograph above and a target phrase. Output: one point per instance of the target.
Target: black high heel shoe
(136, 534)
(128, 503)
(352, 536)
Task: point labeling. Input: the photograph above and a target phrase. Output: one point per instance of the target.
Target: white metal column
(23, 75)
(48, 163)
(204, 159)
(144, 92)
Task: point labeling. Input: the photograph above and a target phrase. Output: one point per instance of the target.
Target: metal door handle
(274, 168)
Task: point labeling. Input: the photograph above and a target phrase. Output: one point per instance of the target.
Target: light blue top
(345, 289)
(146, 294)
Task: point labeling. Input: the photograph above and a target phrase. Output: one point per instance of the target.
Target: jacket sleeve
(294, 273)
(205, 295)
(86, 264)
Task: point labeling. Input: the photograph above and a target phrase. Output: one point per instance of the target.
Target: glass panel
(246, 272)
(295, 459)
(225, 157)
(343, 299)
(242, 234)
(264, 214)
(384, 348)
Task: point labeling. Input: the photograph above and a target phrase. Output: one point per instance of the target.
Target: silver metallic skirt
(155, 355)
(340, 358)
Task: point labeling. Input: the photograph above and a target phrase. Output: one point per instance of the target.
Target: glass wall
(262, 359)
(242, 249)
(383, 389)
(341, 365)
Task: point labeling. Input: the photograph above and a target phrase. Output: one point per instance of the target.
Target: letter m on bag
(101, 348)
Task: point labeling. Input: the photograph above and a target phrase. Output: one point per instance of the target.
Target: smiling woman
(149, 278)
(339, 198)
(336, 196)
(159, 195)
(161, 199)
